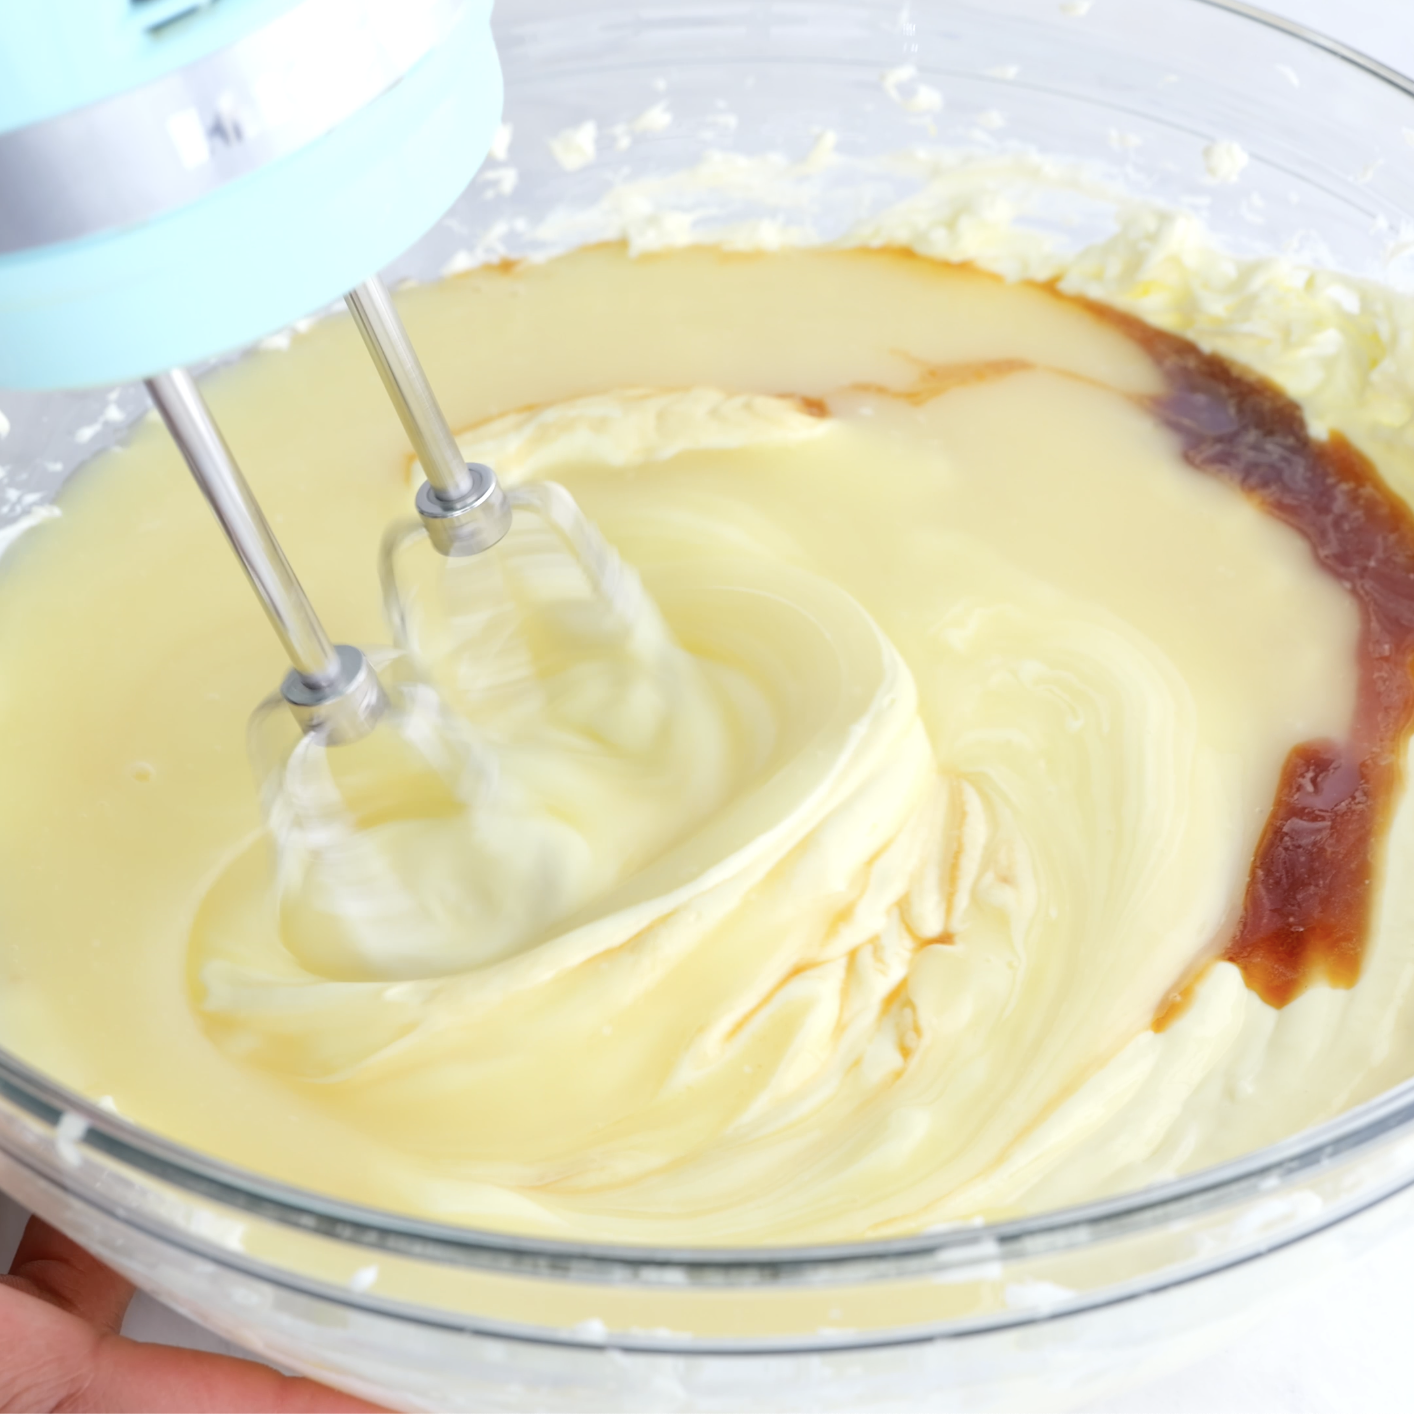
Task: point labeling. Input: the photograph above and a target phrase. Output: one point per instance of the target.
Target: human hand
(60, 1312)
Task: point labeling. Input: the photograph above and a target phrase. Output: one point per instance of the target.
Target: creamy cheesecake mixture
(881, 869)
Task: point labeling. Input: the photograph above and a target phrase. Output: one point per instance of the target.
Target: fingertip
(56, 1269)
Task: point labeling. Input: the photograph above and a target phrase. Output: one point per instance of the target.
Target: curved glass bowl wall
(426, 1316)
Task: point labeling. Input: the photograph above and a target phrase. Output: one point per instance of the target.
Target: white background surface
(1348, 1348)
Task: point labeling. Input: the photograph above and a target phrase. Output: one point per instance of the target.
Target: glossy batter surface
(836, 900)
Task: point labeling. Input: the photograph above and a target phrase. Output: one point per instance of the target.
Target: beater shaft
(332, 687)
(463, 506)
(407, 385)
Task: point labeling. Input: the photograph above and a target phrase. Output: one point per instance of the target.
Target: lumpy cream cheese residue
(857, 878)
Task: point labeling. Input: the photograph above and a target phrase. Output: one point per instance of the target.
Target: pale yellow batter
(830, 895)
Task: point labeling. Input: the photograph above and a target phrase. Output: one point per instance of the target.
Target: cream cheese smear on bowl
(993, 803)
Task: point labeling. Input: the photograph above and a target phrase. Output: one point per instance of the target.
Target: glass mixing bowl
(1052, 1309)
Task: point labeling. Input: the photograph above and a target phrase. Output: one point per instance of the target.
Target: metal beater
(332, 688)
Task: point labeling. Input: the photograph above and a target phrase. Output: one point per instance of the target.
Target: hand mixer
(181, 177)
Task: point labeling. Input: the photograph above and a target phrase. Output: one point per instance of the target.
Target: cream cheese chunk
(834, 898)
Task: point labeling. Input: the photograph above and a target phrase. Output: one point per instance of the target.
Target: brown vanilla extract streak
(1310, 894)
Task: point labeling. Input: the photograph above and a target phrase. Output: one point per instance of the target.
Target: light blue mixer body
(225, 248)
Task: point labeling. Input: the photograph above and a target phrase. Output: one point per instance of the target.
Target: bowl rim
(1317, 40)
(1301, 1157)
